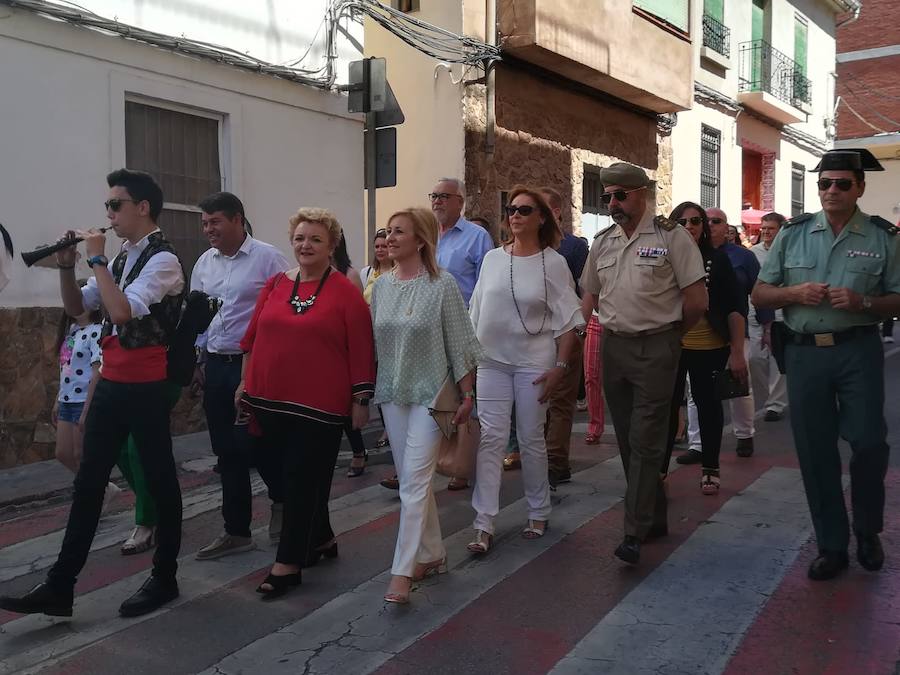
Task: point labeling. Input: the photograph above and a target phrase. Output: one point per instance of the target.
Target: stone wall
(29, 381)
(545, 134)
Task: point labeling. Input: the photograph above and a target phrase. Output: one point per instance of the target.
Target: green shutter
(715, 9)
(675, 12)
(757, 20)
(801, 37)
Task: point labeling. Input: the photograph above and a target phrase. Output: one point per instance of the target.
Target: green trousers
(839, 392)
(130, 465)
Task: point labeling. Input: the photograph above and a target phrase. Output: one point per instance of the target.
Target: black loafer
(869, 552)
(152, 595)
(828, 565)
(39, 600)
(629, 550)
(557, 476)
(690, 457)
(744, 447)
(772, 416)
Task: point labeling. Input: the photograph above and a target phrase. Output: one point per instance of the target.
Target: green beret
(625, 175)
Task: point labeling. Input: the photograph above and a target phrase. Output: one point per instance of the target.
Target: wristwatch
(866, 302)
(98, 260)
(562, 364)
(361, 401)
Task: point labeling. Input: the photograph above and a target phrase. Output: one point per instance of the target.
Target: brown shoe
(512, 461)
(458, 484)
(391, 483)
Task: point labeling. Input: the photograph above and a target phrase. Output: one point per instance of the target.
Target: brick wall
(29, 381)
(877, 26)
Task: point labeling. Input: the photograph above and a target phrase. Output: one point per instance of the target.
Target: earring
(420, 249)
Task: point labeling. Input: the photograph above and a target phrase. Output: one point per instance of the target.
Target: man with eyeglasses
(646, 280)
(836, 275)
(141, 292)
(234, 269)
(762, 362)
(462, 246)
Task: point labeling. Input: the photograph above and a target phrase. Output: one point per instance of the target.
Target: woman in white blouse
(525, 312)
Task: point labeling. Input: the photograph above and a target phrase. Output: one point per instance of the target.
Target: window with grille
(406, 5)
(710, 156)
(591, 190)
(182, 151)
(676, 13)
(798, 185)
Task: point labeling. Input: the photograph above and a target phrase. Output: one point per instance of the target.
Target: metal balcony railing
(764, 68)
(716, 36)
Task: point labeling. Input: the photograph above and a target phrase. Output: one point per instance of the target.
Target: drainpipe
(490, 36)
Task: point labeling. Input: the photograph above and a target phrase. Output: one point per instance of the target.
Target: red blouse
(309, 364)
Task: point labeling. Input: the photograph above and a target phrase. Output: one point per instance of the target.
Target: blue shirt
(460, 251)
(746, 269)
(575, 251)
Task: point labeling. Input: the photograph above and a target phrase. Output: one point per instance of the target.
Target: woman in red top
(310, 365)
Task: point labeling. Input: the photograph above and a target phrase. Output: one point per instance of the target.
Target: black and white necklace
(303, 306)
(512, 289)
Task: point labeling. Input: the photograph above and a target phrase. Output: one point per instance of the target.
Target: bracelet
(468, 394)
(66, 267)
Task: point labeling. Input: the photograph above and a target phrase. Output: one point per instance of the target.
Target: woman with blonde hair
(422, 335)
(309, 366)
(525, 312)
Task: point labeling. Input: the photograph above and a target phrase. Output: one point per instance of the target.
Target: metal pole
(371, 160)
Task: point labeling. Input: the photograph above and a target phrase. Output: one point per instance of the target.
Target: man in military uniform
(836, 273)
(645, 278)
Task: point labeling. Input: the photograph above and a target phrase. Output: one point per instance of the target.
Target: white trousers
(742, 413)
(414, 440)
(499, 385)
(763, 366)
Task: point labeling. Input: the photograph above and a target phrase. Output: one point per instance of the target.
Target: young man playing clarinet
(141, 292)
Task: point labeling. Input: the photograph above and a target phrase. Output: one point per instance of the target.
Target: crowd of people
(655, 312)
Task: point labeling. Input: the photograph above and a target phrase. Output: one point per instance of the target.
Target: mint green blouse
(422, 331)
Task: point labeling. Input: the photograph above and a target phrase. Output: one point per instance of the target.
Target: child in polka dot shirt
(79, 363)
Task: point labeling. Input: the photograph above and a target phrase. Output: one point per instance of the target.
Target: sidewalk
(50, 479)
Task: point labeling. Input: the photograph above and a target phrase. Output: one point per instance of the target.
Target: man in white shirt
(233, 270)
(141, 292)
(762, 363)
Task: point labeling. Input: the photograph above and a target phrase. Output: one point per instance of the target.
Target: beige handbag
(457, 445)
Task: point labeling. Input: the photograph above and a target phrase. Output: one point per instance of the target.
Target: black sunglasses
(693, 220)
(843, 184)
(115, 204)
(524, 210)
(380, 233)
(620, 195)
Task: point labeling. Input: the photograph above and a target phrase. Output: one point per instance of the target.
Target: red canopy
(752, 217)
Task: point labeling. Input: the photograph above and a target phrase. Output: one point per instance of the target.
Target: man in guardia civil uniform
(836, 273)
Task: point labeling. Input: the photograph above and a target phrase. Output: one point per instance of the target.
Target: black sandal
(280, 584)
(355, 471)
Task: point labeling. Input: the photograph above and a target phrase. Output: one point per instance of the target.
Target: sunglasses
(620, 195)
(524, 210)
(693, 220)
(843, 184)
(434, 196)
(115, 204)
(714, 221)
(380, 233)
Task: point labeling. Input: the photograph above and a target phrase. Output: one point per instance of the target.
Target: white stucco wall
(284, 145)
(431, 143)
(882, 195)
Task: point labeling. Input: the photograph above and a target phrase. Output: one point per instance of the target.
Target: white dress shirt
(236, 281)
(161, 276)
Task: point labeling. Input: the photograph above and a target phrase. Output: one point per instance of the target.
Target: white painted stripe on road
(357, 632)
(25, 643)
(690, 614)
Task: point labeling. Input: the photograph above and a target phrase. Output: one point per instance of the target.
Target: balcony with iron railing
(716, 36)
(772, 83)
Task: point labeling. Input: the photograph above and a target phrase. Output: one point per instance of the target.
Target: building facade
(80, 99)
(868, 109)
(581, 84)
(763, 110)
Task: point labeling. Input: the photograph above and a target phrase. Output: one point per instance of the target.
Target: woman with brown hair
(422, 335)
(308, 367)
(525, 312)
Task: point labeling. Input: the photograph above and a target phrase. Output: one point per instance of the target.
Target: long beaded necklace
(303, 306)
(512, 289)
(403, 284)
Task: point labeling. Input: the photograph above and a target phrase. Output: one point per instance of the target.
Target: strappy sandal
(358, 465)
(429, 569)
(709, 482)
(398, 598)
(481, 544)
(531, 532)
(279, 584)
(133, 545)
(382, 442)
(591, 439)
(512, 461)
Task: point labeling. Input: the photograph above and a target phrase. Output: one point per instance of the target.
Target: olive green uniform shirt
(863, 257)
(638, 281)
